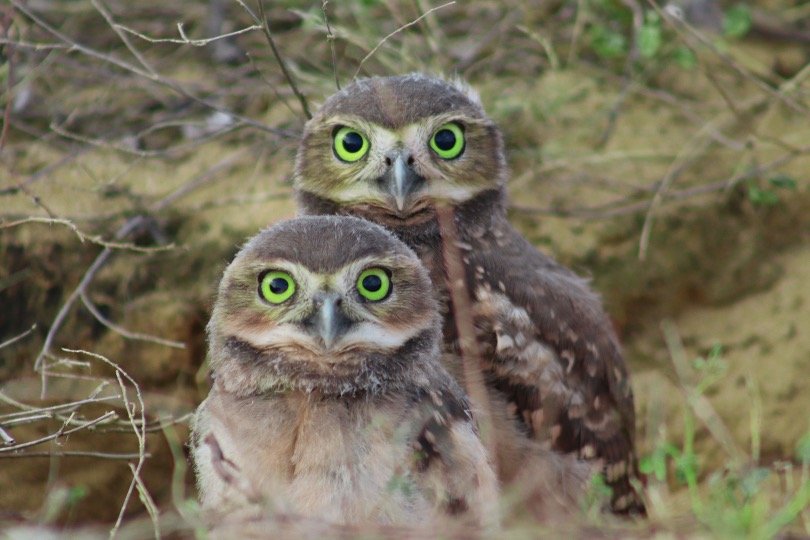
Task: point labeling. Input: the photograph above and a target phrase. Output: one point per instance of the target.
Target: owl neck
(484, 212)
(245, 370)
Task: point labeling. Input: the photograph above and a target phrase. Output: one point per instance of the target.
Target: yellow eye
(448, 141)
(277, 286)
(374, 284)
(349, 144)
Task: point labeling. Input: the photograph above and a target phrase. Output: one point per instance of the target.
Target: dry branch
(395, 32)
(142, 72)
(465, 326)
(140, 434)
(262, 21)
(330, 37)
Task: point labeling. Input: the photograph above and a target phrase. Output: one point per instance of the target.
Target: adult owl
(329, 400)
(393, 150)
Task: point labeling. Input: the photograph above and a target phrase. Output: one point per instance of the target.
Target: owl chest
(337, 462)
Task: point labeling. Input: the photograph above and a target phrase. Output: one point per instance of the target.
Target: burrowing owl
(391, 149)
(328, 396)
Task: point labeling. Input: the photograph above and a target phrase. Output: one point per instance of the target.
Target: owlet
(392, 150)
(328, 396)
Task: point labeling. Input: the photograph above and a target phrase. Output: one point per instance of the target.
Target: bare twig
(686, 156)
(95, 239)
(73, 453)
(184, 40)
(124, 39)
(127, 148)
(17, 338)
(462, 311)
(684, 28)
(128, 227)
(272, 86)
(48, 411)
(261, 20)
(8, 440)
(148, 501)
(156, 78)
(5, 26)
(106, 417)
(91, 307)
(140, 434)
(330, 37)
(395, 32)
(131, 225)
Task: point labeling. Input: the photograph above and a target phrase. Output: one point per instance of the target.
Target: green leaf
(803, 448)
(76, 494)
(684, 57)
(782, 181)
(649, 39)
(607, 43)
(686, 466)
(737, 21)
(762, 197)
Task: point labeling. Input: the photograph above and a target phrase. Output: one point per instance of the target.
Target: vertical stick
(462, 313)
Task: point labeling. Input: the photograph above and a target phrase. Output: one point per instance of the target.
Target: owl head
(333, 304)
(389, 148)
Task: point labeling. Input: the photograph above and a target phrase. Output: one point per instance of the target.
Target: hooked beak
(328, 321)
(400, 180)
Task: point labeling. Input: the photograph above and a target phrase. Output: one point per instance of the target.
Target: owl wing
(550, 349)
(450, 461)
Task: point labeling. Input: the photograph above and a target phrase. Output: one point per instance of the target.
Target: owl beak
(329, 322)
(402, 181)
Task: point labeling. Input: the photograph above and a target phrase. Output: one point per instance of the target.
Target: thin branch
(140, 434)
(126, 147)
(95, 239)
(684, 28)
(184, 40)
(61, 432)
(131, 225)
(124, 39)
(281, 63)
(8, 440)
(261, 19)
(465, 326)
(63, 407)
(91, 307)
(17, 338)
(330, 37)
(395, 32)
(686, 156)
(5, 24)
(272, 86)
(73, 453)
(156, 78)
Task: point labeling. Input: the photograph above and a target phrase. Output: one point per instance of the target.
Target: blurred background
(663, 149)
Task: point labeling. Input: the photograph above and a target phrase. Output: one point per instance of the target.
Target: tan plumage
(553, 362)
(329, 404)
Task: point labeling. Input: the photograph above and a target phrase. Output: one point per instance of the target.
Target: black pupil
(279, 285)
(372, 283)
(445, 139)
(352, 142)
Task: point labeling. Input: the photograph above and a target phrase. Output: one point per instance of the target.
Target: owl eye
(448, 141)
(349, 144)
(374, 284)
(276, 286)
